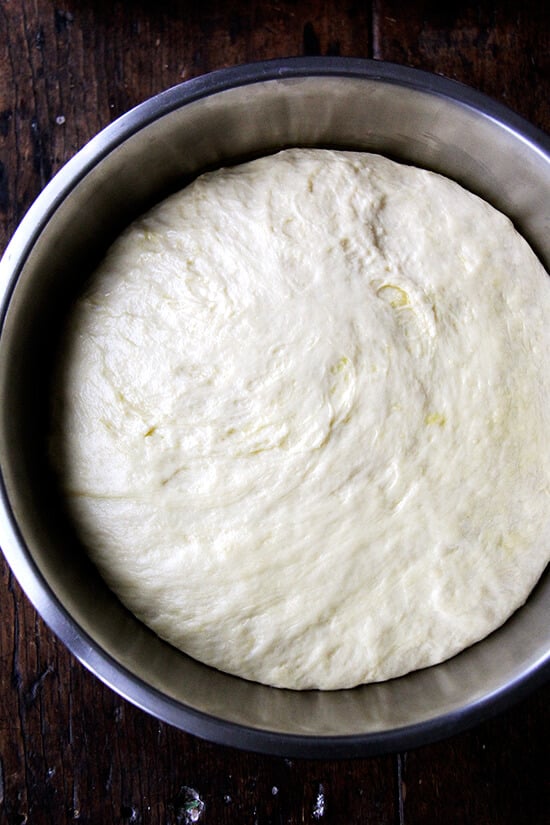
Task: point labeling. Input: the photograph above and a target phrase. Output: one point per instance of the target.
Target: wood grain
(70, 749)
(500, 48)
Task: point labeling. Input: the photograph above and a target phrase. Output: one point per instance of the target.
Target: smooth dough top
(302, 419)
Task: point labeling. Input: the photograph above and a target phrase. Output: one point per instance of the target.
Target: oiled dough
(304, 419)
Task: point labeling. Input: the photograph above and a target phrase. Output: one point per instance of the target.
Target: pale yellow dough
(303, 419)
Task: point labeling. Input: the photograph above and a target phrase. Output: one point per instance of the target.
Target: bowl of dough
(274, 380)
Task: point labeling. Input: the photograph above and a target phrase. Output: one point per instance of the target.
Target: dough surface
(302, 419)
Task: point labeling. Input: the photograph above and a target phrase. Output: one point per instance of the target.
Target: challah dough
(302, 419)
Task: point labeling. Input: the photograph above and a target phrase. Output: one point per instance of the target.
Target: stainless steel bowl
(220, 118)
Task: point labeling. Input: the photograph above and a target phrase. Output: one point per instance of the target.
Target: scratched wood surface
(70, 749)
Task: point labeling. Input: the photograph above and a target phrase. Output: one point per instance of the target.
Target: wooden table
(70, 749)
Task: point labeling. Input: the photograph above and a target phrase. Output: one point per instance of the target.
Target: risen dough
(304, 419)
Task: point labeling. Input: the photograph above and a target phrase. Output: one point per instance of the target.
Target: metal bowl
(156, 148)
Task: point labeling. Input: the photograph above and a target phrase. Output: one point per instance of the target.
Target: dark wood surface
(70, 749)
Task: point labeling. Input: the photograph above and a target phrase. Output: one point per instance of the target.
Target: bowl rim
(89, 652)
